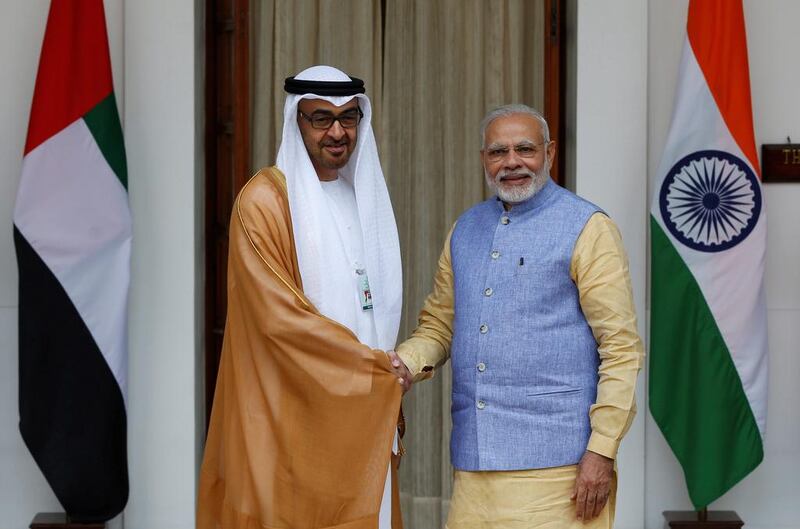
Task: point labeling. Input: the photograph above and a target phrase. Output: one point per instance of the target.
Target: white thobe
(344, 209)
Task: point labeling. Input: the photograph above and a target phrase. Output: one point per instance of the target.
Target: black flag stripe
(72, 413)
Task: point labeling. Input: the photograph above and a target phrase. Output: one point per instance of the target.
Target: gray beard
(516, 195)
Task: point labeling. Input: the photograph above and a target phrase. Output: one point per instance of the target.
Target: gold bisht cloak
(304, 414)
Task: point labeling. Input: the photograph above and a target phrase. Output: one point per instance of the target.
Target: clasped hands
(404, 377)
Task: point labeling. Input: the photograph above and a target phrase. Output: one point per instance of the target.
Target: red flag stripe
(716, 33)
(74, 68)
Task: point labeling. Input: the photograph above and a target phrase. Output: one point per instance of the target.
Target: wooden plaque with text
(780, 162)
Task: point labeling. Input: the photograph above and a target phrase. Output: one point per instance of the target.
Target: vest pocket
(545, 392)
(523, 266)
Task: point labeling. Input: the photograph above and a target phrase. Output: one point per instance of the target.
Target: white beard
(516, 194)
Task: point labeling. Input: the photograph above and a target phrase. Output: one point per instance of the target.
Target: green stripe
(696, 395)
(103, 122)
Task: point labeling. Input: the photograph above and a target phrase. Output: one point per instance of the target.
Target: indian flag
(708, 327)
(72, 231)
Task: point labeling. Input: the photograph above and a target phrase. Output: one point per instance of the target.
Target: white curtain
(432, 70)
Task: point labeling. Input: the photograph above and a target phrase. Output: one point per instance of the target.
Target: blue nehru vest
(524, 359)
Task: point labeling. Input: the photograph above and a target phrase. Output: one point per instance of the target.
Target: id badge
(363, 290)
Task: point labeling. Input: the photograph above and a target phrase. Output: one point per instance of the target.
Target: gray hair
(508, 110)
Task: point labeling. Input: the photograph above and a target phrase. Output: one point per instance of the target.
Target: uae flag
(72, 231)
(708, 327)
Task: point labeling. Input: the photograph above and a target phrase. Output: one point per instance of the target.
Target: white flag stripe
(698, 125)
(73, 211)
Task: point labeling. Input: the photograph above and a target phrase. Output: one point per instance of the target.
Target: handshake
(404, 376)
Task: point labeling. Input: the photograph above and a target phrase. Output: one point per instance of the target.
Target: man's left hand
(592, 486)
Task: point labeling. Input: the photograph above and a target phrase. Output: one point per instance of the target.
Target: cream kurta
(522, 499)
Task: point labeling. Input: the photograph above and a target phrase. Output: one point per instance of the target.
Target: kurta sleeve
(429, 345)
(304, 414)
(599, 269)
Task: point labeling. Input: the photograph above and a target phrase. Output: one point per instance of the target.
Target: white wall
(155, 52)
(768, 497)
(162, 102)
(610, 132)
(23, 490)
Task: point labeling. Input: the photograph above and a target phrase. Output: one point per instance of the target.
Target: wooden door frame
(227, 157)
(555, 65)
(228, 138)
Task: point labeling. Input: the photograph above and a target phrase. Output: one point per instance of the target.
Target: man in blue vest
(532, 303)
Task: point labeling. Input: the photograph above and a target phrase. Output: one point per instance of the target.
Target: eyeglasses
(347, 119)
(523, 150)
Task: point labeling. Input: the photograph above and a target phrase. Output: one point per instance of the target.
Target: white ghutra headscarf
(320, 255)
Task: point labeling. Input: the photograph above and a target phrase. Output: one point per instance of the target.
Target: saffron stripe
(716, 32)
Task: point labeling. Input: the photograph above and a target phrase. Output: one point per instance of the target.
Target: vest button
(481, 404)
(505, 220)
(495, 254)
(488, 291)
(481, 367)
(484, 328)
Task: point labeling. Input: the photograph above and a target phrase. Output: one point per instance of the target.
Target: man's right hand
(404, 376)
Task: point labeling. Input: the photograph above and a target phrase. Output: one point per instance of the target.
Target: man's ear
(551, 153)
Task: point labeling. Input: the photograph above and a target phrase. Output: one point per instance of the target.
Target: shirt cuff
(605, 446)
(418, 367)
